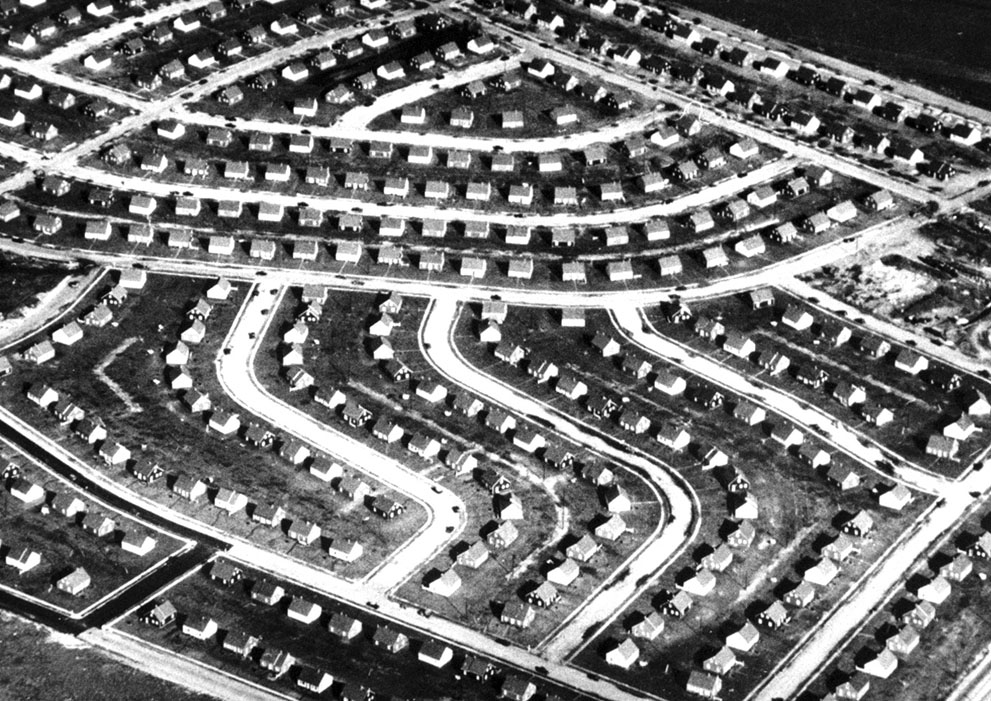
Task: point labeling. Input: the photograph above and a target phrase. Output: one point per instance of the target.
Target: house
(703, 684)
(610, 527)
(199, 626)
(902, 640)
(797, 318)
(42, 395)
(942, 446)
(27, 492)
(113, 453)
(230, 501)
(896, 498)
(97, 524)
(749, 413)
(623, 655)
(346, 550)
(877, 663)
(961, 429)
(503, 536)
(744, 638)
(474, 556)
(739, 344)
(75, 582)
(353, 488)
(39, 353)
(774, 616)
(669, 383)
(188, 487)
(442, 583)
(136, 543)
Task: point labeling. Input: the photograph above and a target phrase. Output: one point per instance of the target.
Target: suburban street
(237, 375)
(648, 562)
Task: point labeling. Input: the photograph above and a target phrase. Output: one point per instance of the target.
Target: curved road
(235, 370)
(648, 562)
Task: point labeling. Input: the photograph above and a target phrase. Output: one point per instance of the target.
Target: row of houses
(955, 428)
(894, 640)
(343, 626)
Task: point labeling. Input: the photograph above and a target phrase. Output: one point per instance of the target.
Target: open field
(920, 406)
(798, 509)
(64, 545)
(389, 675)
(22, 281)
(157, 427)
(337, 354)
(39, 663)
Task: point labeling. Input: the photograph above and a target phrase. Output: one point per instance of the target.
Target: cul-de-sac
(477, 350)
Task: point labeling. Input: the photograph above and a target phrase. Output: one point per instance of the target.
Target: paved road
(635, 328)
(235, 370)
(649, 560)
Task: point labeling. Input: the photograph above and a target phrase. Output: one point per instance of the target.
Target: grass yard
(39, 663)
(535, 98)
(797, 506)
(337, 354)
(155, 425)
(64, 545)
(920, 408)
(389, 675)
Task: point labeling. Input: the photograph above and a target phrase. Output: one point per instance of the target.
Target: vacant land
(389, 675)
(920, 406)
(41, 664)
(23, 281)
(798, 508)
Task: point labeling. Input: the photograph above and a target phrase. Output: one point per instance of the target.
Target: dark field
(39, 667)
(939, 44)
(21, 281)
